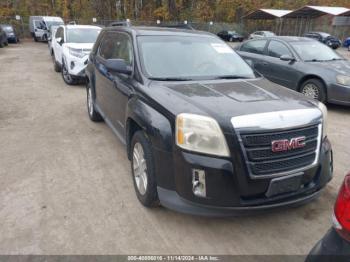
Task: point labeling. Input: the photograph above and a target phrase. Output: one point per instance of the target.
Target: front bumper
(330, 248)
(230, 190)
(12, 39)
(339, 94)
(76, 66)
(170, 199)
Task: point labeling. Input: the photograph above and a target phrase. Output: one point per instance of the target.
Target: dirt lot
(66, 184)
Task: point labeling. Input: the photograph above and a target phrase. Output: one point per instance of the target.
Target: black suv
(325, 38)
(205, 134)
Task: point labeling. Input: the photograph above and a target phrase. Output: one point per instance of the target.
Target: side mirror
(287, 58)
(59, 40)
(118, 66)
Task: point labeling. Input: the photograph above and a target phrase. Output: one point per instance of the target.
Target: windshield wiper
(318, 60)
(314, 60)
(170, 79)
(231, 77)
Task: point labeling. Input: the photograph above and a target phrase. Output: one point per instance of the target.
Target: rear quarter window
(256, 47)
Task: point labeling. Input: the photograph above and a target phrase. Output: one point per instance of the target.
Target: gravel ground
(66, 184)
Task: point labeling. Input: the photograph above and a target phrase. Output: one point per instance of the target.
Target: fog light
(198, 183)
(72, 65)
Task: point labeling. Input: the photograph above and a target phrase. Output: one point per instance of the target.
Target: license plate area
(282, 185)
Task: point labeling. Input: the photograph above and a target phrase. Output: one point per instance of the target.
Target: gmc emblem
(287, 145)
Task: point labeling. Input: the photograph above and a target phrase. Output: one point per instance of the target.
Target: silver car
(261, 34)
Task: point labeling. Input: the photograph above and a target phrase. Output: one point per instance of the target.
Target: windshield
(8, 29)
(53, 23)
(310, 51)
(190, 57)
(82, 35)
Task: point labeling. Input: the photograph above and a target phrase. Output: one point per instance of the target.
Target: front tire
(94, 115)
(142, 166)
(67, 78)
(314, 88)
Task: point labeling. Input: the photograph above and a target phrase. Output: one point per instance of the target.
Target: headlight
(343, 80)
(324, 110)
(200, 134)
(76, 52)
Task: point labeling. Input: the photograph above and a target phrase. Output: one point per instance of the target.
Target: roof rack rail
(121, 23)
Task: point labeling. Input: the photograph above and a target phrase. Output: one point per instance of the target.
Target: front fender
(158, 129)
(156, 126)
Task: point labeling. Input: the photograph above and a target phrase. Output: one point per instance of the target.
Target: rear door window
(256, 47)
(277, 49)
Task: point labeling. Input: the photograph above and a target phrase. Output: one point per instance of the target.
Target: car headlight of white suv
(200, 134)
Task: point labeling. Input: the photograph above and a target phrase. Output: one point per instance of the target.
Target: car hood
(338, 66)
(87, 46)
(224, 99)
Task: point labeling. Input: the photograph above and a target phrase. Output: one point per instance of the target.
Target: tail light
(342, 210)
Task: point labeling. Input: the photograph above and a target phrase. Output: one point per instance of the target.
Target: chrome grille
(262, 161)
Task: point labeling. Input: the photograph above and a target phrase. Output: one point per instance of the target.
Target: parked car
(261, 34)
(325, 38)
(347, 43)
(205, 134)
(12, 37)
(301, 64)
(230, 36)
(335, 245)
(39, 26)
(71, 46)
(3, 38)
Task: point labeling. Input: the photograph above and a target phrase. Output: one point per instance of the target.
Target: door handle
(264, 63)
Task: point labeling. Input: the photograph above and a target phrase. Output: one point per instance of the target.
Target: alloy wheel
(66, 75)
(140, 169)
(90, 103)
(311, 90)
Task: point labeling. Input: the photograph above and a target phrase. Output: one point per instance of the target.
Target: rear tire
(56, 65)
(314, 88)
(94, 115)
(142, 166)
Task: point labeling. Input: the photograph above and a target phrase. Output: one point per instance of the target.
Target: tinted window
(59, 33)
(277, 49)
(117, 46)
(256, 47)
(314, 51)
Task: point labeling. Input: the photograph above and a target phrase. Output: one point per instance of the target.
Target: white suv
(71, 47)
